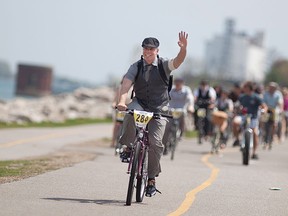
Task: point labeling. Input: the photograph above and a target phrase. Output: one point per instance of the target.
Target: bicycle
(175, 130)
(119, 119)
(247, 137)
(218, 139)
(203, 118)
(286, 123)
(138, 163)
(267, 120)
(201, 115)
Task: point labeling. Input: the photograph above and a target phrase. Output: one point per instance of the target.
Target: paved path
(216, 185)
(21, 143)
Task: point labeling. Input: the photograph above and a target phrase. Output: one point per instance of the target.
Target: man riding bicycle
(117, 121)
(252, 103)
(151, 94)
(274, 100)
(224, 104)
(181, 98)
(205, 97)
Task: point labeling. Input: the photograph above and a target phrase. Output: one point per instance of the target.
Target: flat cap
(273, 84)
(179, 79)
(150, 42)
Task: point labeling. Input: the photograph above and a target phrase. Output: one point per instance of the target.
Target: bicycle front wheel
(200, 125)
(133, 173)
(142, 178)
(246, 149)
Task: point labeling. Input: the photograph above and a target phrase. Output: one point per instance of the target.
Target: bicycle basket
(219, 117)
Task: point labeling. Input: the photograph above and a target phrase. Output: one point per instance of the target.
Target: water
(59, 85)
(7, 88)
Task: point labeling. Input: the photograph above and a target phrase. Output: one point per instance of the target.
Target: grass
(191, 134)
(16, 168)
(67, 123)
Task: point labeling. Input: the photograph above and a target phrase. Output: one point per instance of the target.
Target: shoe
(125, 155)
(165, 151)
(236, 143)
(151, 188)
(255, 157)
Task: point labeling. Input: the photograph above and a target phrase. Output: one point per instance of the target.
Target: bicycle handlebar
(155, 115)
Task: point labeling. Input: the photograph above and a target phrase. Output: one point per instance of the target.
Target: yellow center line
(190, 196)
(33, 139)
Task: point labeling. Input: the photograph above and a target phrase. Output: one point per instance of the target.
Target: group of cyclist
(210, 107)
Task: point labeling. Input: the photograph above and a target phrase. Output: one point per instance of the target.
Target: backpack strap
(162, 72)
(139, 68)
(168, 82)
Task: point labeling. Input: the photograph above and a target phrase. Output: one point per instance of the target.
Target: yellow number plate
(142, 118)
(120, 116)
(265, 117)
(201, 113)
(177, 113)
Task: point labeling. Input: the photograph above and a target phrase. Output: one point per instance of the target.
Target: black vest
(152, 95)
(203, 99)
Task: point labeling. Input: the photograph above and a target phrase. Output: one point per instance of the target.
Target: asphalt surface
(217, 184)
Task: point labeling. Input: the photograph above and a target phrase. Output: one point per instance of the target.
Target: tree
(278, 73)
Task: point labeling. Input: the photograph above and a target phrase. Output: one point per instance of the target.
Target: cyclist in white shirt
(181, 97)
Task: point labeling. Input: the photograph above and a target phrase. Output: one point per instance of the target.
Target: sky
(93, 40)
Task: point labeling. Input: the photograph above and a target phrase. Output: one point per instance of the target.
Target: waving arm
(183, 36)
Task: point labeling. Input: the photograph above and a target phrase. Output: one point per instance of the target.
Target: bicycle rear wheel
(133, 173)
(246, 149)
(142, 178)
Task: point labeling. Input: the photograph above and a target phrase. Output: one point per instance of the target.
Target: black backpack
(169, 82)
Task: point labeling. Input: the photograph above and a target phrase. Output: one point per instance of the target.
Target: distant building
(235, 55)
(33, 80)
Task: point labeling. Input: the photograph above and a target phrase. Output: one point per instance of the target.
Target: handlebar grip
(165, 115)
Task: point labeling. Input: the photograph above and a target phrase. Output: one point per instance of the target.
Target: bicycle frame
(245, 127)
(142, 137)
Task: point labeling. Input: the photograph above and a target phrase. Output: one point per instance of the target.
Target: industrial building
(235, 55)
(33, 80)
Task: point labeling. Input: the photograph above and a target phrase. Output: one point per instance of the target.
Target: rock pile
(82, 103)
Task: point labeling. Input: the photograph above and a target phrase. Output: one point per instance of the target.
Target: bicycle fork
(248, 132)
(141, 139)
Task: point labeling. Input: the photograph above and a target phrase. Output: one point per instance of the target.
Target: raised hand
(182, 39)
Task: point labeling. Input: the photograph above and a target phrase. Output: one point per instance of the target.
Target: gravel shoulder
(15, 170)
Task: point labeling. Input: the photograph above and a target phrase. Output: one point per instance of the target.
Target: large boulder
(83, 103)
